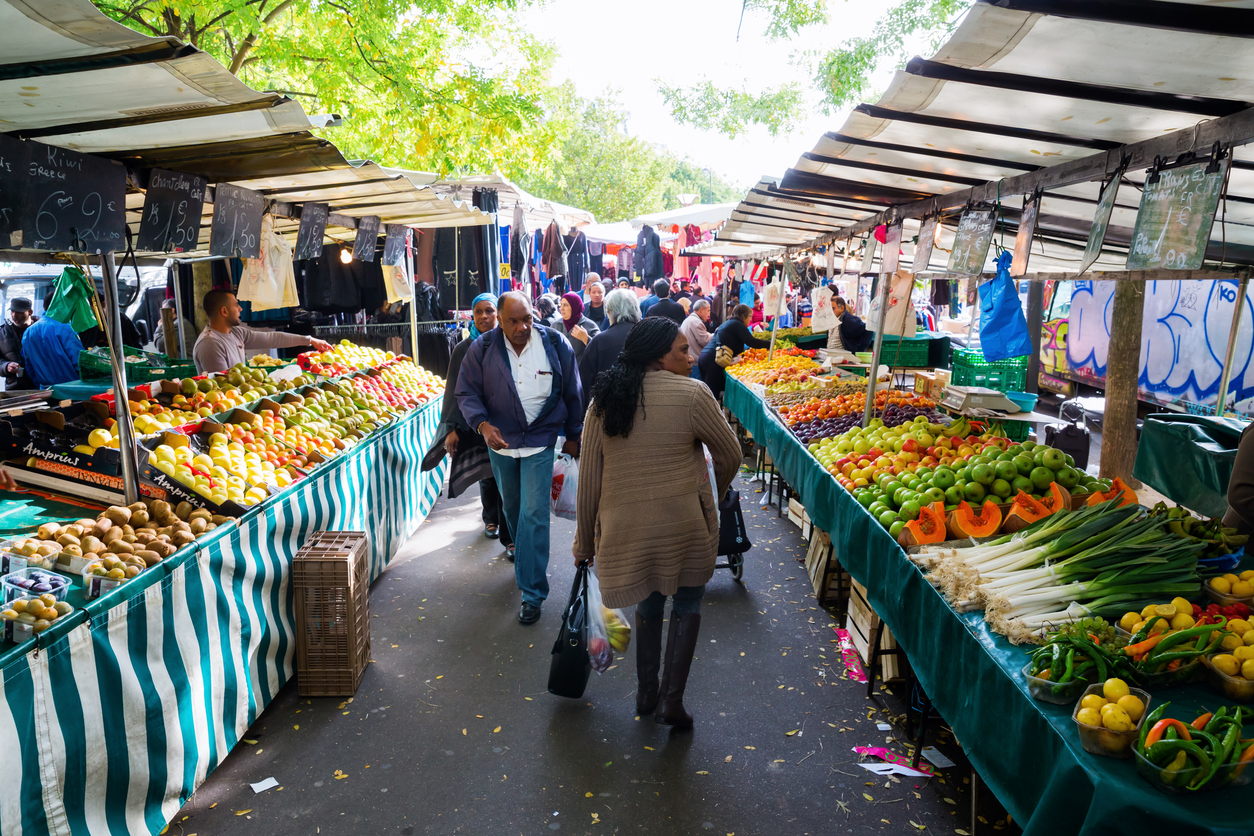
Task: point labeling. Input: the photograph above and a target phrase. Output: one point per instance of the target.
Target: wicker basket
(331, 582)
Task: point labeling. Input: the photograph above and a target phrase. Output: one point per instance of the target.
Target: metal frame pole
(886, 284)
(126, 429)
(1221, 405)
(178, 307)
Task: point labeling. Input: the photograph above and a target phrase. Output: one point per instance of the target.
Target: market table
(122, 709)
(937, 347)
(80, 390)
(1027, 751)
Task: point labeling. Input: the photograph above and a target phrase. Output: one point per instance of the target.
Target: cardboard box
(862, 622)
(924, 382)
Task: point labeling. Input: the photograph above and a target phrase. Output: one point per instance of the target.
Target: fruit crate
(331, 583)
(146, 368)
(971, 369)
(901, 352)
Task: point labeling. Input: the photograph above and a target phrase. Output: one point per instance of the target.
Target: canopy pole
(178, 308)
(1036, 322)
(1221, 405)
(886, 284)
(126, 430)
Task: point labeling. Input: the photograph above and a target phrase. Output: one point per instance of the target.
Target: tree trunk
(1036, 312)
(1122, 369)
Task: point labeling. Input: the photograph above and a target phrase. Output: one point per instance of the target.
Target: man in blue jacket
(519, 388)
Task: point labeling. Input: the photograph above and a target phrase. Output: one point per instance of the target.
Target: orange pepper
(1141, 648)
(1156, 733)
(1200, 722)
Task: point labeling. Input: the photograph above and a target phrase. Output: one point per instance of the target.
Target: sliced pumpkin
(1116, 487)
(964, 521)
(1024, 510)
(1058, 500)
(928, 528)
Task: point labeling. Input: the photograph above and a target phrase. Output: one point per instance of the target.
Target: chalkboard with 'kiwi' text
(71, 201)
(1176, 215)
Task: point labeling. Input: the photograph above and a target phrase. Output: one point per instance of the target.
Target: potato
(121, 547)
(184, 510)
(48, 531)
(139, 518)
(118, 515)
(92, 545)
(198, 525)
(182, 538)
(110, 535)
(102, 525)
(73, 529)
(67, 540)
(150, 558)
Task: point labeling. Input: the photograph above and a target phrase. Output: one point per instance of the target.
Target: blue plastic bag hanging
(1003, 328)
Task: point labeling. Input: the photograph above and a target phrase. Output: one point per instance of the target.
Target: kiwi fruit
(121, 547)
(118, 515)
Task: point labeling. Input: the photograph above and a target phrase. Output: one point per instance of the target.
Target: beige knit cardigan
(645, 507)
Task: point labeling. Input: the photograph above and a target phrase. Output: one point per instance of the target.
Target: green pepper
(1069, 669)
(1055, 667)
(1218, 720)
(1100, 659)
(1221, 757)
(1159, 752)
(1179, 637)
(1154, 717)
(1143, 634)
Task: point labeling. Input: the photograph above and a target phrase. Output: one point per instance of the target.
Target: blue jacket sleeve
(470, 389)
(572, 394)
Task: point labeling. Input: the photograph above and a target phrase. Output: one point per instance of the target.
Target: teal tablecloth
(126, 706)
(1027, 751)
(1188, 459)
(80, 390)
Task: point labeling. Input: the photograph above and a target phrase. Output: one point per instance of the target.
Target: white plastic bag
(899, 316)
(565, 487)
(607, 629)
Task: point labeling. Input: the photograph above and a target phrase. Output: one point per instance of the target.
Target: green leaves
(730, 111)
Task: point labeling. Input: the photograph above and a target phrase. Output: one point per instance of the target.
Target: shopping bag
(269, 282)
(898, 314)
(564, 489)
(822, 318)
(733, 537)
(1003, 327)
(570, 665)
(607, 629)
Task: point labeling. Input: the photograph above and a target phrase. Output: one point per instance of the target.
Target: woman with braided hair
(646, 510)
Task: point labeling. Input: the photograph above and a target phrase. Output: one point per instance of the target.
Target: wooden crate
(331, 587)
(829, 582)
(797, 514)
(861, 623)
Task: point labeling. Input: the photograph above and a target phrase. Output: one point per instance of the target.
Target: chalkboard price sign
(367, 238)
(394, 247)
(1027, 230)
(313, 225)
(927, 239)
(1101, 220)
(14, 159)
(171, 217)
(1176, 215)
(72, 201)
(975, 233)
(236, 228)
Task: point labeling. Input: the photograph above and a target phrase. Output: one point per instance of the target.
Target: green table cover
(81, 390)
(1188, 459)
(1027, 751)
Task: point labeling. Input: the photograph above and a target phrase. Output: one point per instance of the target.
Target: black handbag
(571, 666)
(733, 538)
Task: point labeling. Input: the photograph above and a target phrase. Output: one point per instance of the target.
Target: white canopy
(701, 214)
(621, 232)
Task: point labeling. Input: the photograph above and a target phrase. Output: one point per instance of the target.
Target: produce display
(1220, 539)
(779, 370)
(786, 333)
(755, 355)
(1238, 587)
(1207, 753)
(830, 417)
(1115, 709)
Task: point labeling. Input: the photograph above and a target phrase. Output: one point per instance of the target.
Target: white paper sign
(822, 318)
(770, 298)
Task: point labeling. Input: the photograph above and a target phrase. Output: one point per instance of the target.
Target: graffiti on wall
(1184, 334)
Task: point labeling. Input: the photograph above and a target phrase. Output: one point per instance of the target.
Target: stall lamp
(346, 255)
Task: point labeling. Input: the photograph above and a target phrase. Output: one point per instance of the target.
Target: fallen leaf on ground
(587, 795)
(250, 742)
(791, 733)
(242, 812)
(703, 772)
(727, 759)
(867, 796)
(497, 729)
(463, 731)
(751, 747)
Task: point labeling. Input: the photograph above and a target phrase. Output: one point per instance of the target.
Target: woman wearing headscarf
(653, 531)
(469, 453)
(574, 325)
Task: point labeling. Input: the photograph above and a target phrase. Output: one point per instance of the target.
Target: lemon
(1229, 577)
(1133, 706)
(1136, 628)
(1129, 620)
(1247, 669)
(1239, 626)
(1093, 701)
(1182, 605)
(1089, 717)
(1117, 719)
(1243, 589)
(1226, 663)
(1149, 610)
(1167, 610)
(1158, 627)
(1181, 621)
(1243, 652)
(1221, 585)
(1231, 642)
(1247, 575)
(1248, 637)
(1113, 689)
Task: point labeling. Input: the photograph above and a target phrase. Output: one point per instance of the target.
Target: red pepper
(1156, 733)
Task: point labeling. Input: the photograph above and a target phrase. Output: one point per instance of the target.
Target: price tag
(173, 203)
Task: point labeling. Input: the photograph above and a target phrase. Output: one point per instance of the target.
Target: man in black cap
(20, 318)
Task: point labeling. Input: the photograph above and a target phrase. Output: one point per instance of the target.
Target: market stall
(1028, 751)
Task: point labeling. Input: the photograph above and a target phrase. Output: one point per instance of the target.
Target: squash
(1116, 487)
(1058, 500)
(1024, 510)
(928, 528)
(964, 521)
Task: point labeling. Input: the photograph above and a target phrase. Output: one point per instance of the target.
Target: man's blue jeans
(525, 484)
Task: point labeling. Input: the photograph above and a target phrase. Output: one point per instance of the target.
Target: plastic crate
(898, 352)
(331, 582)
(971, 369)
(148, 368)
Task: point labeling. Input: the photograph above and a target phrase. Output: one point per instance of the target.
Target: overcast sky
(627, 45)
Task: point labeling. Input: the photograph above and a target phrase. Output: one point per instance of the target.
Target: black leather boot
(648, 661)
(680, 645)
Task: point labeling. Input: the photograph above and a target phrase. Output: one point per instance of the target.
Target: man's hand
(450, 443)
(571, 448)
(6, 481)
(580, 334)
(493, 436)
(11, 368)
(579, 561)
(320, 345)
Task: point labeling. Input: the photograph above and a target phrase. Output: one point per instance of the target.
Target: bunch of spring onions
(1094, 561)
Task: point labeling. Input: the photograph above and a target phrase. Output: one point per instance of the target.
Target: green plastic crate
(141, 366)
(971, 369)
(908, 352)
